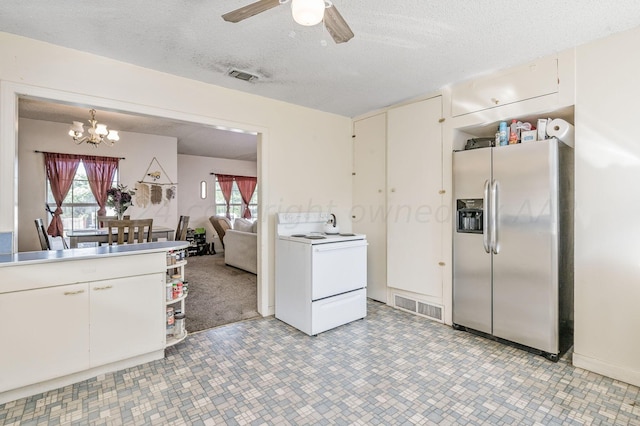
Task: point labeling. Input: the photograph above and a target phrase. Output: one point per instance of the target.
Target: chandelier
(98, 133)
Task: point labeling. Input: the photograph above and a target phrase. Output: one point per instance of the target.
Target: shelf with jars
(176, 291)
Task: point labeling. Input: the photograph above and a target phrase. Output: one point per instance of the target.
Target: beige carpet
(218, 294)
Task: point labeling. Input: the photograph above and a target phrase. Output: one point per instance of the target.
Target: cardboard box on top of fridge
(528, 135)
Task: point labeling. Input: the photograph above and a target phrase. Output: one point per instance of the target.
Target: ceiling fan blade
(336, 25)
(250, 10)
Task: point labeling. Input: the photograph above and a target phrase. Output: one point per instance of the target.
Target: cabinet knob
(393, 190)
(441, 263)
(71, 293)
(442, 191)
(495, 101)
(380, 190)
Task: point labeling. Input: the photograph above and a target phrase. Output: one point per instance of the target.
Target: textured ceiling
(401, 49)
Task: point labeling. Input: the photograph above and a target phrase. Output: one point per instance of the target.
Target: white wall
(137, 149)
(304, 155)
(194, 169)
(607, 233)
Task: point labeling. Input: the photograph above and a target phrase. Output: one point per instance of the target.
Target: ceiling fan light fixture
(307, 12)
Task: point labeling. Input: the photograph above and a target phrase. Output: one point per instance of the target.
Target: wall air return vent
(418, 307)
(241, 75)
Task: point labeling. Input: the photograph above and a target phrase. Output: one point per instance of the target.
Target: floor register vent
(428, 310)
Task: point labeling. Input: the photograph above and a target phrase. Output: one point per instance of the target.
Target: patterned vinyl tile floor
(392, 368)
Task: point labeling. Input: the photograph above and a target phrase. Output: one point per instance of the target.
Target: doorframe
(10, 93)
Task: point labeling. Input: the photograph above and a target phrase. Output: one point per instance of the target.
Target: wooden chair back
(42, 235)
(181, 230)
(102, 220)
(130, 231)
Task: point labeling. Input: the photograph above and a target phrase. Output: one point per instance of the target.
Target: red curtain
(226, 185)
(100, 172)
(246, 186)
(61, 169)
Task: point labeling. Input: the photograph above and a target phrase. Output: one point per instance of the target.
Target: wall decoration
(170, 193)
(156, 194)
(143, 195)
(150, 191)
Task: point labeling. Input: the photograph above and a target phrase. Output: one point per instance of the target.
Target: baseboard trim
(613, 371)
(59, 382)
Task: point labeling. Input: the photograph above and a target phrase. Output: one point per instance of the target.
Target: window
(203, 189)
(79, 208)
(236, 206)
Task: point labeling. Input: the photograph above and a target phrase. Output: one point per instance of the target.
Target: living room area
(193, 164)
(223, 279)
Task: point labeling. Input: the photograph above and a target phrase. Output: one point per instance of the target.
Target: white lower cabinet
(124, 317)
(45, 334)
(56, 331)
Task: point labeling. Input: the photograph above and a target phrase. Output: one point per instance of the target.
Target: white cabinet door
(127, 317)
(505, 87)
(45, 334)
(416, 213)
(369, 198)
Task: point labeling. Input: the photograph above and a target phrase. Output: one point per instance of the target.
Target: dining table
(101, 235)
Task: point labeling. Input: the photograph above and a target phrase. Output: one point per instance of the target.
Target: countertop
(34, 257)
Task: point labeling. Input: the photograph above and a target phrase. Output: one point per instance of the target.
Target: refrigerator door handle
(485, 218)
(495, 244)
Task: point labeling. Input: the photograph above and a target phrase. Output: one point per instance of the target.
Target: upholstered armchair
(221, 224)
(241, 246)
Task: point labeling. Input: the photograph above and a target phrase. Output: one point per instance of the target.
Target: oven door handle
(339, 245)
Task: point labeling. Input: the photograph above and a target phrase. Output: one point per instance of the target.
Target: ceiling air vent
(241, 75)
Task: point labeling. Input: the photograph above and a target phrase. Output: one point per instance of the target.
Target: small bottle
(169, 290)
(179, 325)
(513, 132)
(170, 316)
(504, 137)
(176, 283)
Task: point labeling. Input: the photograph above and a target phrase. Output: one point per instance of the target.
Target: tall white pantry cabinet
(398, 203)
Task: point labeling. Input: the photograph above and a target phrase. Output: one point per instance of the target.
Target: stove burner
(309, 237)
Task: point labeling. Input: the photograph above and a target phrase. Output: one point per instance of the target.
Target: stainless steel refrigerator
(513, 244)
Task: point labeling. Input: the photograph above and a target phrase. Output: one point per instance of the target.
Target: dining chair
(181, 230)
(130, 231)
(42, 235)
(220, 224)
(102, 220)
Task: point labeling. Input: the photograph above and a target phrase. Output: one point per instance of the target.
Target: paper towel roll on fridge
(558, 128)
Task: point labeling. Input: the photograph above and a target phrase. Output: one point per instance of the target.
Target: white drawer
(338, 310)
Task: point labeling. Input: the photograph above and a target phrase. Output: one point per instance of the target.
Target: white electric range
(321, 278)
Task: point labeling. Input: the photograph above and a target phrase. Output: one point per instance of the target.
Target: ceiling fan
(305, 12)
